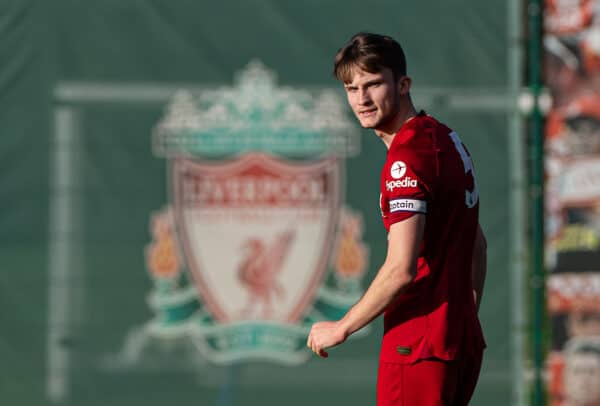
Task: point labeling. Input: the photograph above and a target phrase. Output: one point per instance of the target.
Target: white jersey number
(471, 197)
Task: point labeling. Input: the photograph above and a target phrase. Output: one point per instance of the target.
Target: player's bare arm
(479, 265)
(394, 276)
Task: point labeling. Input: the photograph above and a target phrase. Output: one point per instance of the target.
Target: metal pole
(64, 251)
(537, 282)
(518, 211)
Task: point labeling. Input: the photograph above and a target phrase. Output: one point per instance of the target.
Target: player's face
(375, 97)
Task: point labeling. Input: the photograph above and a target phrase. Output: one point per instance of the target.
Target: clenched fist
(325, 334)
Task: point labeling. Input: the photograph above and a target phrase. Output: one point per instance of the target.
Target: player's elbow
(405, 279)
(401, 277)
(480, 241)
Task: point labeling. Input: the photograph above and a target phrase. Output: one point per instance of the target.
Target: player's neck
(388, 132)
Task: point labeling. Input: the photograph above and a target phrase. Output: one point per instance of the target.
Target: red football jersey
(428, 170)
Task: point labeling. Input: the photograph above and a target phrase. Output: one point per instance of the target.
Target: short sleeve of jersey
(407, 179)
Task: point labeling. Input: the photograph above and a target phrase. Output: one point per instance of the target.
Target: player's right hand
(325, 334)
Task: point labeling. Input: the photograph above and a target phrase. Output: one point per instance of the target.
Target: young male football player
(430, 284)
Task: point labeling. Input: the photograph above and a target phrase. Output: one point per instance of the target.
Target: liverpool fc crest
(256, 242)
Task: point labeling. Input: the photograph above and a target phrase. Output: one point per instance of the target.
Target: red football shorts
(430, 382)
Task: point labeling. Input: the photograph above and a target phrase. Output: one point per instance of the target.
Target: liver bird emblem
(258, 271)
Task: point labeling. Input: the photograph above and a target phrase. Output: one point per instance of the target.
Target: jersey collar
(406, 125)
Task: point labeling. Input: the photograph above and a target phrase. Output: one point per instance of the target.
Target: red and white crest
(256, 232)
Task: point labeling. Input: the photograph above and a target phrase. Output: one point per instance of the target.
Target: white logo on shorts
(398, 169)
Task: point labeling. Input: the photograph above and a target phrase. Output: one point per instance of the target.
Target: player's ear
(403, 84)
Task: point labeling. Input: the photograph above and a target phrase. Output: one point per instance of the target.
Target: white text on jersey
(406, 182)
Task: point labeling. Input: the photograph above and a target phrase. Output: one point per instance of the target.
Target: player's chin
(368, 123)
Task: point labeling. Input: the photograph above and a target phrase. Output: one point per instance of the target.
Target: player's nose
(364, 98)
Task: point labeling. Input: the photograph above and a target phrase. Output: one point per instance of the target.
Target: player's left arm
(479, 265)
(394, 276)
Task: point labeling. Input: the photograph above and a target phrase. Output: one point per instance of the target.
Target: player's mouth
(367, 113)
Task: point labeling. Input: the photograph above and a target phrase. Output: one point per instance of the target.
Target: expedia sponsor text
(406, 182)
